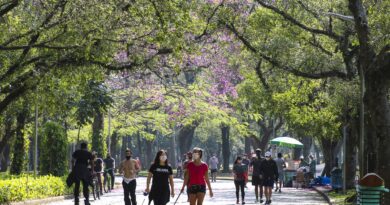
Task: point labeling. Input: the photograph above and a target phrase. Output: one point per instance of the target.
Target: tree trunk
(172, 151)
(247, 145)
(307, 142)
(185, 136)
(328, 147)
(225, 148)
(19, 147)
(114, 143)
(5, 143)
(317, 150)
(267, 132)
(98, 140)
(149, 153)
(5, 158)
(375, 70)
(140, 147)
(297, 153)
(350, 153)
(378, 124)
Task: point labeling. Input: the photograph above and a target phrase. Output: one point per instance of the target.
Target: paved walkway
(224, 194)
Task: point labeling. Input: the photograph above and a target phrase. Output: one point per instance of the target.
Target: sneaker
(276, 189)
(261, 201)
(243, 202)
(269, 201)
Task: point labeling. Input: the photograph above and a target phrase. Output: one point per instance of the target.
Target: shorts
(194, 189)
(256, 181)
(213, 170)
(268, 183)
(281, 176)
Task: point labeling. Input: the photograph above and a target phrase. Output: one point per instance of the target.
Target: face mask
(127, 157)
(196, 155)
(267, 158)
(163, 158)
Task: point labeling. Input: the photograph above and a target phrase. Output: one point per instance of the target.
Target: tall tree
(20, 145)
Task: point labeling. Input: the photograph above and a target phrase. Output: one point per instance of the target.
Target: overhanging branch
(274, 62)
(294, 21)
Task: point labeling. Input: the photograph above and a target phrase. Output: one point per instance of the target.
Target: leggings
(240, 184)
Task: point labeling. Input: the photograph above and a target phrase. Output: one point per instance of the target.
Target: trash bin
(336, 178)
(370, 190)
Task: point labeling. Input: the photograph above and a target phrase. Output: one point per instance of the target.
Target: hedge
(20, 188)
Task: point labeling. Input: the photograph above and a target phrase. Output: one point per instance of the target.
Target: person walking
(98, 168)
(161, 172)
(196, 178)
(129, 167)
(82, 159)
(269, 170)
(257, 178)
(246, 162)
(213, 163)
(303, 162)
(239, 170)
(109, 167)
(281, 164)
(188, 158)
(312, 166)
(179, 169)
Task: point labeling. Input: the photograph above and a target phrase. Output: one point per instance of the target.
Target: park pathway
(224, 194)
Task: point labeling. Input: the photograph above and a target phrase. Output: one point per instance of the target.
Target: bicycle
(95, 187)
(107, 180)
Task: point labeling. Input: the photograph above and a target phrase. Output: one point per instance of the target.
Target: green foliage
(23, 187)
(53, 150)
(95, 99)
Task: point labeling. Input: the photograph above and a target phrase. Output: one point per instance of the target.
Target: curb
(324, 195)
(49, 199)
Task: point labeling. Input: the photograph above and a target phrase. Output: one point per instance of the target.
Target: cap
(268, 154)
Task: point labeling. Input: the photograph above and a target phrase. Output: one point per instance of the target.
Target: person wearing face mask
(269, 170)
(257, 178)
(185, 164)
(161, 173)
(197, 178)
(239, 171)
(129, 167)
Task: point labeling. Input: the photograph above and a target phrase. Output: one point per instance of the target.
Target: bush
(23, 187)
(53, 150)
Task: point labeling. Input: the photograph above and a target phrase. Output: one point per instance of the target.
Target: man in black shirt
(269, 170)
(82, 158)
(257, 178)
(109, 166)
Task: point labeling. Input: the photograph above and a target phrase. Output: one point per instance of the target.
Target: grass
(340, 198)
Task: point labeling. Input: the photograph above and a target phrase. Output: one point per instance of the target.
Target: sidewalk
(224, 194)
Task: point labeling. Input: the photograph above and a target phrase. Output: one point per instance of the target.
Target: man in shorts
(257, 178)
(281, 164)
(213, 163)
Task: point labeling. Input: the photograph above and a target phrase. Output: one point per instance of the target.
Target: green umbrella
(287, 142)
